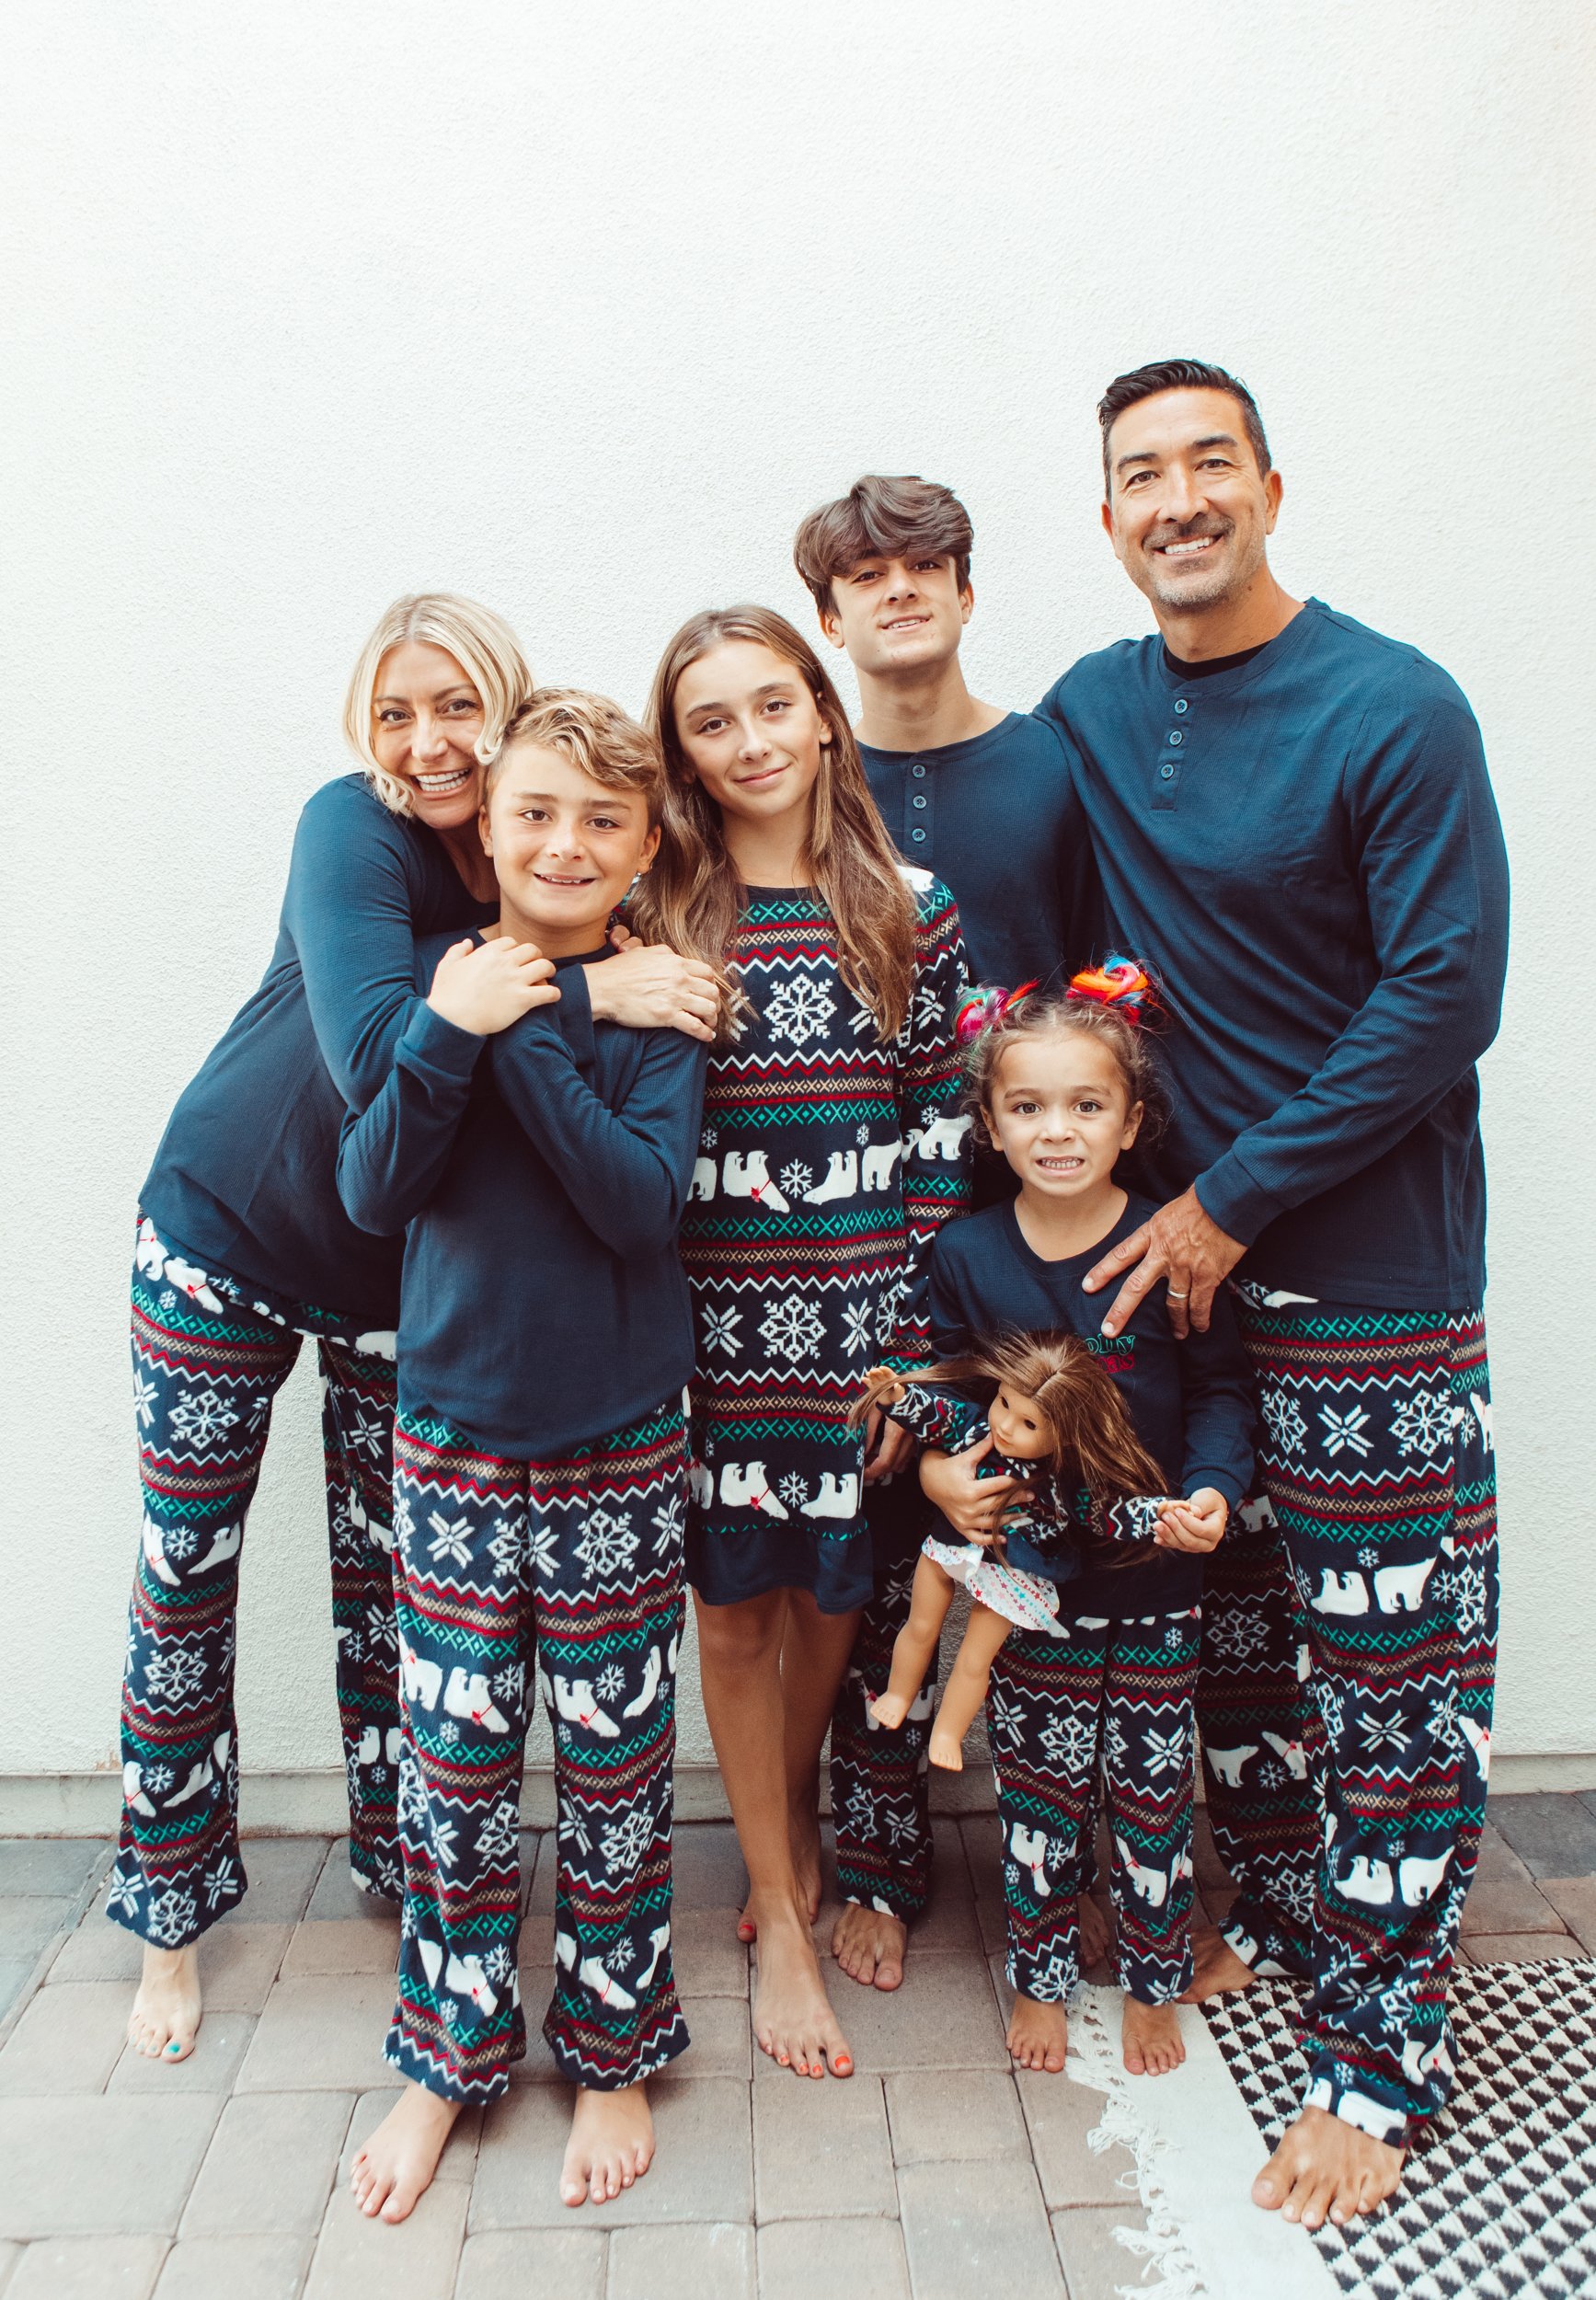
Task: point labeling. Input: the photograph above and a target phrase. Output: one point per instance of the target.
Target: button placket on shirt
(1167, 776)
(918, 811)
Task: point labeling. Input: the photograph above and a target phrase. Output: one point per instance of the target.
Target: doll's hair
(1112, 1003)
(1087, 1420)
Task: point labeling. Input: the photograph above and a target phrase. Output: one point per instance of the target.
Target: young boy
(541, 1162)
(983, 798)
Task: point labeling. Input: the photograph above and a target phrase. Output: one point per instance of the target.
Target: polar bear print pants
(516, 1579)
(209, 1358)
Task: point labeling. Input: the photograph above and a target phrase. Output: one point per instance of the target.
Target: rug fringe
(1161, 2242)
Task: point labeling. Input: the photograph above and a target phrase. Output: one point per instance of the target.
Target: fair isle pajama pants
(210, 1356)
(1376, 1451)
(1123, 1688)
(567, 1575)
(1345, 1693)
(1268, 1818)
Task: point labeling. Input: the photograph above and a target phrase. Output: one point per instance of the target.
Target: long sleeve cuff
(1228, 1195)
(1222, 1478)
(435, 1048)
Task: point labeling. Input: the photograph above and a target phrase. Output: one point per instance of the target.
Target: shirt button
(1181, 707)
(917, 836)
(1176, 739)
(920, 799)
(917, 770)
(1165, 774)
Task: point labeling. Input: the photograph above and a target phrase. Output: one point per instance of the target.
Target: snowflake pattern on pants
(208, 1358)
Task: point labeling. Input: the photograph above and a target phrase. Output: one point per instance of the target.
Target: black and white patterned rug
(1499, 2199)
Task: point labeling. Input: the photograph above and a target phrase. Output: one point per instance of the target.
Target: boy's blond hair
(597, 737)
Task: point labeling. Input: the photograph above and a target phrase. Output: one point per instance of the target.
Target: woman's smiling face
(426, 721)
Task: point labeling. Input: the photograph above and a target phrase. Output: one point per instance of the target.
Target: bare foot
(1216, 1967)
(612, 2145)
(889, 1709)
(869, 1945)
(946, 1749)
(1038, 2034)
(793, 2019)
(804, 1833)
(1325, 2169)
(396, 2163)
(1151, 2038)
(165, 2019)
(1096, 1937)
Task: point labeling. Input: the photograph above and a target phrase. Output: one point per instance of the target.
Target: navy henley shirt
(1305, 853)
(998, 821)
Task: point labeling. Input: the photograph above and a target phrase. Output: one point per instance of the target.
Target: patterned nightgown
(829, 1161)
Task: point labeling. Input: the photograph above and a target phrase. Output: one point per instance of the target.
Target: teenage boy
(1295, 829)
(982, 796)
(541, 1161)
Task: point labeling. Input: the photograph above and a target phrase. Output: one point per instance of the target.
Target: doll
(1057, 1423)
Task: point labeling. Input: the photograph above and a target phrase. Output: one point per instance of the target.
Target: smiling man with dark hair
(1296, 833)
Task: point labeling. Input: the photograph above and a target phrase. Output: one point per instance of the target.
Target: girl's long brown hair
(690, 899)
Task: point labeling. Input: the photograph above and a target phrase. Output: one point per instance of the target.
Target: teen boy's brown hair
(882, 518)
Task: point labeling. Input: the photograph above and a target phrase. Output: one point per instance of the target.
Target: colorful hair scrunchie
(1118, 983)
(983, 1007)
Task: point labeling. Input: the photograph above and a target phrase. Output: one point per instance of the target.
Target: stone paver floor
(933, 2171)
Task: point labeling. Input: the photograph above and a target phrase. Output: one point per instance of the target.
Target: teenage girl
(243, 1250)
(831, 1153)
(1060, 1085)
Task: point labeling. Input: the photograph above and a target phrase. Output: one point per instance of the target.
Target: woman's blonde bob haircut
(481, 642)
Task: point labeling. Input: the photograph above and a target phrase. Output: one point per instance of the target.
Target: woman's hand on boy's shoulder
(648, 987)
(485, 986)
(1197, 1523)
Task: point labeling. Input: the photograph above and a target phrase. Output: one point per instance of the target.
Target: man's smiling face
(1188, 511)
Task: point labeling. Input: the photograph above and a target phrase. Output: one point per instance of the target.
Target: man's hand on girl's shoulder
(1183, 1245)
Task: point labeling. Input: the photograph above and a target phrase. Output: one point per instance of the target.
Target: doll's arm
(937, 1416)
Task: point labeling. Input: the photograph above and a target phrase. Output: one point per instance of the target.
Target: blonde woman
(243, 1250)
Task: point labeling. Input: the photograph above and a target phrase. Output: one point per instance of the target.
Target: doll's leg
(965, 1691)
(915, 1642)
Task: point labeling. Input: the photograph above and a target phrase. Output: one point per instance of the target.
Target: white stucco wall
(578, 310)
